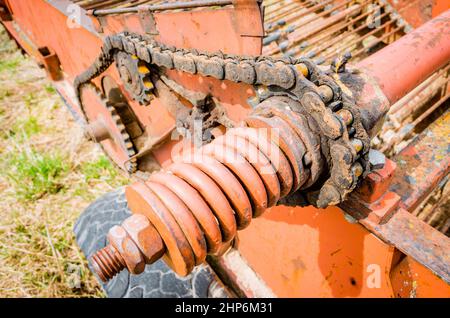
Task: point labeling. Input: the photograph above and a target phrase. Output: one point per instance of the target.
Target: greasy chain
(281, 77)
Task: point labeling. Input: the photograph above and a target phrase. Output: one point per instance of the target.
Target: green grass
(50, 89)
(98, 169)
(4, 93)
(30, 100)
(25, 127)
(48, 176)
(34, 174)
(10, 64)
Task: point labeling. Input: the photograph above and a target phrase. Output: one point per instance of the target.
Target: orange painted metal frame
(298, 252)
(307, 252)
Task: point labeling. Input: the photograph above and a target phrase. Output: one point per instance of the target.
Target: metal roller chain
(344, 141)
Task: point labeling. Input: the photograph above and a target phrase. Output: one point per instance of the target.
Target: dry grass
(48, 174)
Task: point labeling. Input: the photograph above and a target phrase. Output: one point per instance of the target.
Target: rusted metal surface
(346, 146)
(410, 279)
(377, 183)
(419, 12)
(190, 185)
(115, 140)
(413, 113)
(155, 121)
(423, 164)
(314, 253)
(325, 30)
(235, 272)
(51, 63)
(163, 7)
(223, 159)
(418, 240)
(97, 131)
(344, 170)
(429, 48)
(419, 168)
(195, 206)
(434, 210)
(136, 77)
(131, 246)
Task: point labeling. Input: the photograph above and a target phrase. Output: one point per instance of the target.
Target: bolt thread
(107, 263)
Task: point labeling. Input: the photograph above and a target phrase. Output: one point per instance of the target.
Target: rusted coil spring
(199, 202)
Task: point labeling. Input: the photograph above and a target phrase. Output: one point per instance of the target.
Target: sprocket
(135, 75)
(105, 126)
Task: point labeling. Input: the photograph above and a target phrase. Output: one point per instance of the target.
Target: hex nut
(124, 244)
(145, 236)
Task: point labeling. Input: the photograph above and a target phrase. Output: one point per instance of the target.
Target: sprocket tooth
(135, 74)
(119, 128)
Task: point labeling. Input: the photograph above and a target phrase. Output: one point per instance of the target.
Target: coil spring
(200, 201)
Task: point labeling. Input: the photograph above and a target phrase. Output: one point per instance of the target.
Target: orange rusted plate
(179, 254)
(212, 194)
(184, 218)
(196, 204)
(410, 279)
(248, 177)
(231, 187)
(316, 253)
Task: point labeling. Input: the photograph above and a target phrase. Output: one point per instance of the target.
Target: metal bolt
(346, 116)
(302, 68)
(326, 93)
(144, 234)
(357, 169)
(377, 159)
(107, 263)
(121, 240)
(131, 246)
(357, 144)
(335, 106)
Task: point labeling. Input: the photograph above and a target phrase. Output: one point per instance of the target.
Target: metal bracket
(5, 12)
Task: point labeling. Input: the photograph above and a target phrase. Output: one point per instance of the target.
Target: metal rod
(328, 43)
(402, 65)
(345, 46)
(408, 97)
(377, 41)
(418, 101)
(430, 110)
(325, 12)
(163, 7)
(303, 33)
(292, 15)
(281, 12)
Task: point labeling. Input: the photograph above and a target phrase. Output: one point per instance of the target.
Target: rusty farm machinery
(291, 148)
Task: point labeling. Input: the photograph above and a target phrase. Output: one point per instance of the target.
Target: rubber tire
(158, 280)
